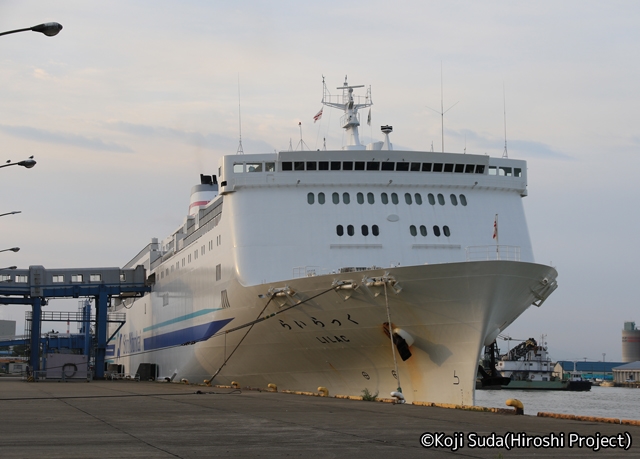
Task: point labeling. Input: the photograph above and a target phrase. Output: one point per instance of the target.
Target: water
(606, 402)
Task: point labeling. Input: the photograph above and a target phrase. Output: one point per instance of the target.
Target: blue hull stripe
(111, 350)
(185, 335)
(180, 319)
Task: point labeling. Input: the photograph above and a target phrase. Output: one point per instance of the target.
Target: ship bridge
(36, 285)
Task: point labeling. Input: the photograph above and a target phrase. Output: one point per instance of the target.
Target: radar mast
(350, 104)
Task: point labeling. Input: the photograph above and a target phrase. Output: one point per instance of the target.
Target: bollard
(517, 404)
(272, 388)
(324, 392)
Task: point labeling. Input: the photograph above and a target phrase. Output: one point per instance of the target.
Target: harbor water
(608, 402)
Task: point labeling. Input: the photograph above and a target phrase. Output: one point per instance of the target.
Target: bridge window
(335, 165)
(373, 165)
(238, 168)
(448, 167)
(359, 166)
(95, 277)
(312, 165)
(437, 167)
(459, 168)
(76, 278)
(254, 167)
(468, 169)
(426, 167)
(387, 166)
(298, 165)
(415, 167)
(402, 167)
(480, 169)
(347, 166)
(269, 167)
(57, 279)
(286, 166)
(323, 166)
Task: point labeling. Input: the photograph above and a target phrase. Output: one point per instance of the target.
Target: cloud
(41, 135)
(209, 140)
(527, 148)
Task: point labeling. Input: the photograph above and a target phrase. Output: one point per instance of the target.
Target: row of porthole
(364, 229)
(384, 198)
(436, 230)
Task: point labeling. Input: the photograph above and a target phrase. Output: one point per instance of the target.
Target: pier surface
(116, 419)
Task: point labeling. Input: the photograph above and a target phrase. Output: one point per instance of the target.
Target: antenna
(442, 110)
(504, 103)
(302, 143)
(240, 150)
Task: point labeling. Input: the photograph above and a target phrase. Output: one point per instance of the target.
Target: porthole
(370, 198)
(407, 198)
(423, 230)
(394, 198)
(365, 230)
(432, 199)
(340, 230)
(374, 230)
(360, 198)
(346, 198)
(418, 198)
(440, 199)
(320, 198)
(445, 230)
(436, 230)
(336, 198)
(412, 230)
(454, 200)
(384, 197)
(310, 198)
(350, 230)
(463, 200)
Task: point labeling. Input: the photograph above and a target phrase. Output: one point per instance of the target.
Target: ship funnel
(202, 194)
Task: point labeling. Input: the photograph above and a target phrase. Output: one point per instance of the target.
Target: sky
(133, 100)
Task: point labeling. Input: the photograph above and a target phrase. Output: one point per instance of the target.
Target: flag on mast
(495, 228)
(369, 118)
(318, 115)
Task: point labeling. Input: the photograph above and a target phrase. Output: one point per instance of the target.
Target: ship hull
(320, 335)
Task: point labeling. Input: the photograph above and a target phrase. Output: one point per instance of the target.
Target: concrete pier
(127, 419)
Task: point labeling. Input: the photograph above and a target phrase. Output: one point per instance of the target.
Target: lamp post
(28, 163)
(48, 28)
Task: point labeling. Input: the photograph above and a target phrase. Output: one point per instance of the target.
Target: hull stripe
(185, 335)
(180, 319)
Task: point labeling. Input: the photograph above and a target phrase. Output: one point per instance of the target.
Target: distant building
(588, 370)
(630, 342)
(627, 373)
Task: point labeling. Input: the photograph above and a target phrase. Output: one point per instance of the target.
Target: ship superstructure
(301, 268)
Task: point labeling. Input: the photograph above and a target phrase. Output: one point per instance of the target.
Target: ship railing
(308, 271)
(493, 252)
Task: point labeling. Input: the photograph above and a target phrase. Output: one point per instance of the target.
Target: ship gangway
(36, 285)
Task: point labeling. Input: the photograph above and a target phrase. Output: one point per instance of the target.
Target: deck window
(436, 230)
(370, 198)
(413, 231)
(394, 198)
(320, 198)
(445, 230)
(335, 197)
(310, 198)
(346, 198)
(360, 198)
(407, 198)
(339, 230)
(418, 199)
(432, 199)
(350, 231)
(374, 230)
(365, 230)
(384, 197)
(441, 199)
(463, 200)
(454, 200)
(423, 230)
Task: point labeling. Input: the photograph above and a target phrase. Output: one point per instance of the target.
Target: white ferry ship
(290, 266)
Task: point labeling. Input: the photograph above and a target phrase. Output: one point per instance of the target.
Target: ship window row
(385, 198)
(364, 230)
(413, 230)
(384, 166)
(185, 260)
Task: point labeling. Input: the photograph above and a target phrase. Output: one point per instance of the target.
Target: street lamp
(48, 28)
(28, 163)
(12, 249)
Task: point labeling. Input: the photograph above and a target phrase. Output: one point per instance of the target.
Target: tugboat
(525, 367)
